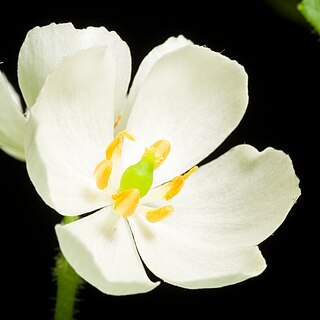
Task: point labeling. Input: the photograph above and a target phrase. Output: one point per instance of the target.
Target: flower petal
(170, 45)
(192, 264)
(102, 251)
(237, 200)
(12, 121)
(45, 47)
(194, 98)
(68, 130)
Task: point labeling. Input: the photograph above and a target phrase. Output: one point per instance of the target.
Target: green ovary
(140, 175)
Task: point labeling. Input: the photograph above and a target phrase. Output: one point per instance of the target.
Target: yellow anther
(175, 185)
(102, 173)
(115, 147)
(116, 122)
(161, 150)
(159, 214)
(126, 202)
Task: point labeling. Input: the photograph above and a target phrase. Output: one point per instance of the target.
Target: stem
(68, 284)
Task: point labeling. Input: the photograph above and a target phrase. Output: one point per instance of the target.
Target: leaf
(287, 9)
(310, 9)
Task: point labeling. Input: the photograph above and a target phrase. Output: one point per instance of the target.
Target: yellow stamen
(102, 173)
(159, 214)
(190, 172)
(175, 187)
(161, 150)
(126, 202)
(115, 147)
(177, 184)
(116, 122)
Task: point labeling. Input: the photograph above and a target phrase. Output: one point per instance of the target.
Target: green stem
(68, 284)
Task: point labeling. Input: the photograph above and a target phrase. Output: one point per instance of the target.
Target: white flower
(192, 228)
(41, 52)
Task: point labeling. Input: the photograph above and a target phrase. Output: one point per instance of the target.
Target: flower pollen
(159, 214)
(114, 149)
(126, 202)
(102, 173)
(136, 181)
(161, 150)
(175, 186)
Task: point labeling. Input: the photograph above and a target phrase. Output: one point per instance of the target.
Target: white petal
(15, 96)
(68, 130)
(194, 98)
(12, 121)
(102, 251)
(192, 264)
(237, 200)
(45, 47)
(172, 44)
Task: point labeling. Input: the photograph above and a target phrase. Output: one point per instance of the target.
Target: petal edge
(68, 130)
(189, 264)
(101, 250)
(12, 121)
(191, 95)
(243, 197)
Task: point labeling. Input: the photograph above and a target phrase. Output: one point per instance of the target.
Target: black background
(282, 59)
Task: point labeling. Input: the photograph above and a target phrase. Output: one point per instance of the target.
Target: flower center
(139, 175)
(136, 181)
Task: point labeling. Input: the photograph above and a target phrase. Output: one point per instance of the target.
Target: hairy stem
(68, 284)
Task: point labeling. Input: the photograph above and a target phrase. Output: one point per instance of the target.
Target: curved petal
(14, 95)
(102, 251)
(237, 200)
(194, 98)
(192, 264)
(44, 47)
(68, 130)
(12, 121)
(170, 45)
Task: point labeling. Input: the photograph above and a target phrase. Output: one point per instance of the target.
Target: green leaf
(310, 9)
(287, 9)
